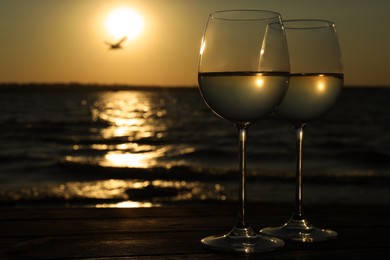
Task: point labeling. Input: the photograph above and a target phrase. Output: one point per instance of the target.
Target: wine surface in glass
(243, 97)
(310, 96)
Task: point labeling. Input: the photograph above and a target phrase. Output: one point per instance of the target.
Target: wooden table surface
(174, 232)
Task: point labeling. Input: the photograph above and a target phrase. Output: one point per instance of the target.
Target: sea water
(110, 146)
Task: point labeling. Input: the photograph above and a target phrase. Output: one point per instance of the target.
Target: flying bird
(117, 45)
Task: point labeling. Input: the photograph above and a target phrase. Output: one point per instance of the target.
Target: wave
(80, 138)
(207, 174)
(158, 186)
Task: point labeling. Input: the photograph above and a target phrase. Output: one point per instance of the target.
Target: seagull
(117, 45)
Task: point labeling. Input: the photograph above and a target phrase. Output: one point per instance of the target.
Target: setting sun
(123, 22)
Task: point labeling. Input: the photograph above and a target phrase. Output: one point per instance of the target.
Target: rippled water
(146, 147)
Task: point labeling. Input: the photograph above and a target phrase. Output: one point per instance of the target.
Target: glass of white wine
(243, 76)
(316, 81)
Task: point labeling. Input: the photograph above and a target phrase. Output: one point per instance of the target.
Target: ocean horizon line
(8, 86)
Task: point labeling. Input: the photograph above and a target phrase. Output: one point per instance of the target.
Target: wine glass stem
(242, 167)
(298, 213)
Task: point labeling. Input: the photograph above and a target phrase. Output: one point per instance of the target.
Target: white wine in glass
(243, 76)
(316, 81)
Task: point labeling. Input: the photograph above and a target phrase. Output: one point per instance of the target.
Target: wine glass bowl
(243, 66)
(246, 97)
(316, 80)
(243, 75)
(310, 96)
(316, 73)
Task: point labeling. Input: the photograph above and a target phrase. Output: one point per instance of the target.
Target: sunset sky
(64, 40)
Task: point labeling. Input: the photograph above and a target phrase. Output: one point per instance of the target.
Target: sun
(124, 21)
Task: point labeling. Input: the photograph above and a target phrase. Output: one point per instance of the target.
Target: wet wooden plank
(175, 232)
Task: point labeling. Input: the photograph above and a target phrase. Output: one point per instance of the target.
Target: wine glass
(315, 83)
(243, 76)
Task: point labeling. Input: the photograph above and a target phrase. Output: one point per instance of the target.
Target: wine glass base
(300, 231)
(243, 240)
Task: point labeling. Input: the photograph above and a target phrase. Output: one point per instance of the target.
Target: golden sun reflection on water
(125, 112)
(124, 193)
(136, 160)
(130, 116)
(128, 204)
(118, 193)
(128, 132)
